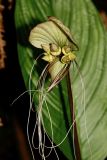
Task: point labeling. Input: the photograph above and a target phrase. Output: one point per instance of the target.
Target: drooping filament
(58, 45)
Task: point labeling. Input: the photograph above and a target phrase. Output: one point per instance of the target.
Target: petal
(46, 47)
(48, 58)
(47, 33)
(55, 69)
(64, 29)
(68, 57)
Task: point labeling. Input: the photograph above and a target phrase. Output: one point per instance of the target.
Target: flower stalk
(77, 151)
(59, 52)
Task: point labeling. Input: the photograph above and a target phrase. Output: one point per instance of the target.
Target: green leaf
(87, 29)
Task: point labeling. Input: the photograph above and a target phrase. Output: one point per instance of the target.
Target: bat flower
(58, 45)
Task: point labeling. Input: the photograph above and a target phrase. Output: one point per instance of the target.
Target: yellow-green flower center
(52, 52)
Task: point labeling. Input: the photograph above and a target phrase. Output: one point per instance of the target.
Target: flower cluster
(53, 52)
(56, 40)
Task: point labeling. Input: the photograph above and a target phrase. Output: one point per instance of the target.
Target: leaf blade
(83, 21)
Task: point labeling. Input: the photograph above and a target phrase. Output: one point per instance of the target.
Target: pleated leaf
(81, 17)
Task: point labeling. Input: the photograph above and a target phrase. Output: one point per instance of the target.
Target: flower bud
(68, 57)
(55, 50)
(66, 50)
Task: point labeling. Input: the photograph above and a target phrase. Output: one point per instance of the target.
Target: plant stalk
(77, 151)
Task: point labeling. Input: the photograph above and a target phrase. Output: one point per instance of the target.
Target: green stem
(70, 96)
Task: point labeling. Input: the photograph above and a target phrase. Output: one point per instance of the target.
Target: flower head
(58, 45)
